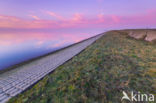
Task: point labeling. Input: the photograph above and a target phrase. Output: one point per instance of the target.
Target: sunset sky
(42, 25)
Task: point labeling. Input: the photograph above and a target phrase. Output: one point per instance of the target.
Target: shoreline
(41, 56)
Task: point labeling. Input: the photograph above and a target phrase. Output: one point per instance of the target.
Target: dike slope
(17, 80)
(100, 73)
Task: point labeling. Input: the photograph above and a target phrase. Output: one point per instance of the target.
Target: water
(17, 46)
(18, 57)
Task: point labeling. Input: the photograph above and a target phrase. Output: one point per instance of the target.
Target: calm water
(16, 47)
(17, 57)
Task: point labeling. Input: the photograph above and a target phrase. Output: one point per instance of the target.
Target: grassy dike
(99, 74)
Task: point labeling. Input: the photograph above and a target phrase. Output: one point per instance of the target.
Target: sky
(30, 28)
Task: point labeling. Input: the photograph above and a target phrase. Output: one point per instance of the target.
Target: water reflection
(16, 47)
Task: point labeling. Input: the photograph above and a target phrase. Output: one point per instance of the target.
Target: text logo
(137, 97)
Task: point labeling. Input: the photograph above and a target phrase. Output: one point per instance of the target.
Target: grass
(99, 74)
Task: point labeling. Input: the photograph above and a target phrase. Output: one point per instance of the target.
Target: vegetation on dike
(99, 74)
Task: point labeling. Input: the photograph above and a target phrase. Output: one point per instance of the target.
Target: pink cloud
(101, 17)
(35, 17)
(77, 17)
(15, 22)
(146, 19)
(115, 19)
(78, 21)
(55, 15)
